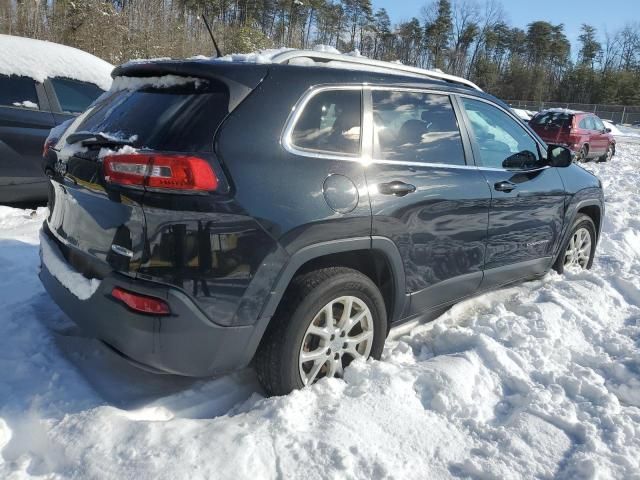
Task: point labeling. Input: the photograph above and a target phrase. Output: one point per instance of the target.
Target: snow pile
(540, 380)
(39, 59)
(625, 131)
(612, 127)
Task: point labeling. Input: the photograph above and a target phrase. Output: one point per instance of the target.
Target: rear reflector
(141, 303)
(160, 171)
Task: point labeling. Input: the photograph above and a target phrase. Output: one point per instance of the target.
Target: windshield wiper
(93, 138)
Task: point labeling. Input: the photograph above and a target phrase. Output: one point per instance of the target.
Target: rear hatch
(158, 117)
(552, 126)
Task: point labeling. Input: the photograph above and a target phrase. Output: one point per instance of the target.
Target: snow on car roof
(40, 59)
(561, 110)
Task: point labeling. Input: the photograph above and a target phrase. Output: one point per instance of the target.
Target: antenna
(215, 44)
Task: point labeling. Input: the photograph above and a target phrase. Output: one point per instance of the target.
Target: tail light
(160, 171)
(48, 145)
(141, 303)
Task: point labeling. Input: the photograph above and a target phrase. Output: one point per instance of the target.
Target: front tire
(579, 250)
(327, 318)
(608, 155)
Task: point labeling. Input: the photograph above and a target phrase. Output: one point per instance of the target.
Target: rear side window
(555, 119)
(179, 118)
(587, 123)
(330, 122)
(18, 92)
(75, 96)
(416, 127)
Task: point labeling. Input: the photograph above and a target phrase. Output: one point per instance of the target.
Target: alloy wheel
(579, 249)
(339, 333)
(609, 153)
(581, 156)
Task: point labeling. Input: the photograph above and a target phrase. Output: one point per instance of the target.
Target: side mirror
(559, 156)
(608, 130)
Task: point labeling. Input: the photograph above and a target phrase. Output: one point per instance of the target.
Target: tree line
(470, 38)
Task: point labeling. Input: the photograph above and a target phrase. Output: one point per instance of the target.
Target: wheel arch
(315, 255)
(593, 210)
(591, 207)
(376, 257)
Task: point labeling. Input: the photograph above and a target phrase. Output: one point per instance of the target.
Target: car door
(527, 195)
(425, 195)
(24, 124)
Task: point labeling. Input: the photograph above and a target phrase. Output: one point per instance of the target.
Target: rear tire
(582, 222)
(582, 154)
(308, 323)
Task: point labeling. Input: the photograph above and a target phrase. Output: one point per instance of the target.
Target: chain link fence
(622, 114)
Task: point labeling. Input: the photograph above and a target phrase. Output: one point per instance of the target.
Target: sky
(602, 14)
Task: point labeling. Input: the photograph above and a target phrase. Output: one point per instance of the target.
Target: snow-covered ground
(536, 381)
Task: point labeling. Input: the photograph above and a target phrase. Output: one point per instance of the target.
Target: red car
(584, 133)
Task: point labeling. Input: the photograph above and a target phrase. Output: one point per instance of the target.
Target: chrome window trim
(298, 108)
(296, 112)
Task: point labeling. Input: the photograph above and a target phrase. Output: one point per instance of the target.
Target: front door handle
(504, 186)
(397, 188)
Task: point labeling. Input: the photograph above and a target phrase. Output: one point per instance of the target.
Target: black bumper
(184, 343)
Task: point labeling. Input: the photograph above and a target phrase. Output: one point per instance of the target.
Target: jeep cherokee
(206, 215)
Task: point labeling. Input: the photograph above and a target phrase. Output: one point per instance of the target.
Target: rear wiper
(93, 138)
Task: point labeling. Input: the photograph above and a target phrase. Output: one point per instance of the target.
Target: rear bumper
(184, 343)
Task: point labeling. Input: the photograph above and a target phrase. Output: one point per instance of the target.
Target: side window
(75, 96)
(589, 123)
(500, 138)
(598, 124)
(583, 123)
(330, 122)
(18, 92)
(416, 127)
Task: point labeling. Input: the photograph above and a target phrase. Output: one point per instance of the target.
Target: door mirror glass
(524, 160)
(559, 156)
(608, 130)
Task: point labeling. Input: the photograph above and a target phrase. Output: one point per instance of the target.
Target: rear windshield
(556, 119)
(179, 118)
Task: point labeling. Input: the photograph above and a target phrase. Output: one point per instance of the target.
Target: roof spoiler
(239, 80)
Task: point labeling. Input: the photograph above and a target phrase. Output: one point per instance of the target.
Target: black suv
(205, 215)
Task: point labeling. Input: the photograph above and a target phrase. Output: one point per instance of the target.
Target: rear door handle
(504, 186)
(397, 188)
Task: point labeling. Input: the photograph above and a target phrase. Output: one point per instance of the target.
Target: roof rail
(287, 55)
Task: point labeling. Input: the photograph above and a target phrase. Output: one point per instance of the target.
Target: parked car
(582, 132)
(42, 84)
(205, 215)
